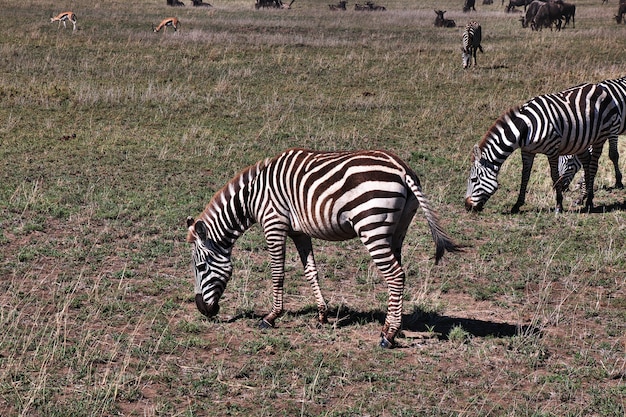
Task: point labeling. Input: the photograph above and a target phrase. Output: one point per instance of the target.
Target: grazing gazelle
(63, 17)
(170, 21)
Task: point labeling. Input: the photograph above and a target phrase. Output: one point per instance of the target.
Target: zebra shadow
(598, 209)
(417, 321)
(607, 208)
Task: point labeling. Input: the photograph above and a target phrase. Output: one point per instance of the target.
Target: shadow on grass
(418, 321)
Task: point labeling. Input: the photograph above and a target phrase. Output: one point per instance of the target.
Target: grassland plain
(111, 136)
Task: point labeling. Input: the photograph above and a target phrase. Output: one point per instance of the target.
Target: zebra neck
(509, 133)
(617, 91)
(227, 218)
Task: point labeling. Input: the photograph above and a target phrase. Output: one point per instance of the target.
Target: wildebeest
(369, 6)
(469, 5)
(339, 6)
(619, 17)
(549, 13)
(200, 3)
(440, 21)
(277, 4)
(531, 11)
(568, 11)
(516, 3)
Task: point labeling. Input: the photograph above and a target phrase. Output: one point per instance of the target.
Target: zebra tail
(443, 242)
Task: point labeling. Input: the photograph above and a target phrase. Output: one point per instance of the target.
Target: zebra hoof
(386, 343)
(264, 324)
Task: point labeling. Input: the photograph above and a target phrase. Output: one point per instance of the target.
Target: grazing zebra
(471, 42)
(302, 194)
(565, 123)
(570, 164)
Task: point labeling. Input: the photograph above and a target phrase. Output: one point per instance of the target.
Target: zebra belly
(337, 222)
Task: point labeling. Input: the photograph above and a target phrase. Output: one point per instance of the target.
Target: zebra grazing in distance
(302, 194)
(570, 164)
(566, 123)
(472, 37)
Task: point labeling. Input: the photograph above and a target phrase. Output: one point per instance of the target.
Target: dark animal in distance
(368, 7)
(568, 11)
(469, 5)
(516, 3)
(339, 6)
(440, 21)
(175, 3)
(273, 4)
(548, 14)
(531, 11)
(619, 17)
(200, 3)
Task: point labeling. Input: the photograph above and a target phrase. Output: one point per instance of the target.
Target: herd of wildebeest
(537, 14)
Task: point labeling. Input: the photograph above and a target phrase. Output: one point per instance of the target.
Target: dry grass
(96, 306)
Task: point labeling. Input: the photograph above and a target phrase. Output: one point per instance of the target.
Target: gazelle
(170, 21)
(63, 17)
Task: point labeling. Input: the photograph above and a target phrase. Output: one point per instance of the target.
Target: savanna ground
(112, 135)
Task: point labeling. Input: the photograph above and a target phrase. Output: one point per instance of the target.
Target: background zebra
(302, 194)
(472, 36)
(570, 164)
(566, 123)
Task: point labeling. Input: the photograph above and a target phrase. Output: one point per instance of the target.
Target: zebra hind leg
(614, 157)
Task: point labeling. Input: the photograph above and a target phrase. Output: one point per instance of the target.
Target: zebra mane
(221, 198)
(497, 125)
(243, 178)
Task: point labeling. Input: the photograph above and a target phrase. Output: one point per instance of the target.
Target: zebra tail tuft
(443, 242)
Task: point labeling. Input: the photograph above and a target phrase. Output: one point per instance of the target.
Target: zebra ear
(476, 153)
(190, 221)
(201, 230)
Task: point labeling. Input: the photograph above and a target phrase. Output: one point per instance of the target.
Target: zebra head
(482, 182)
(466, 57)
(212, 268)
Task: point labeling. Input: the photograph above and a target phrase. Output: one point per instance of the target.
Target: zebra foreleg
(558, 187)
(591, 168)
(276, 246)
(305, 250)
(527, 165)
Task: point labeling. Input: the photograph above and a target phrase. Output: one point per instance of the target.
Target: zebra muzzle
(208, 310)
(470, 206)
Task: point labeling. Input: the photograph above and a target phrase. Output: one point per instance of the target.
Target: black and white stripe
(472, 36)
(570, 164)
(570, 122)
(372, 195)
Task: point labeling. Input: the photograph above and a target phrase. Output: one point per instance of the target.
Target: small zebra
(570, 164)
(566, 123)
(303, 194)
(471, 42)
